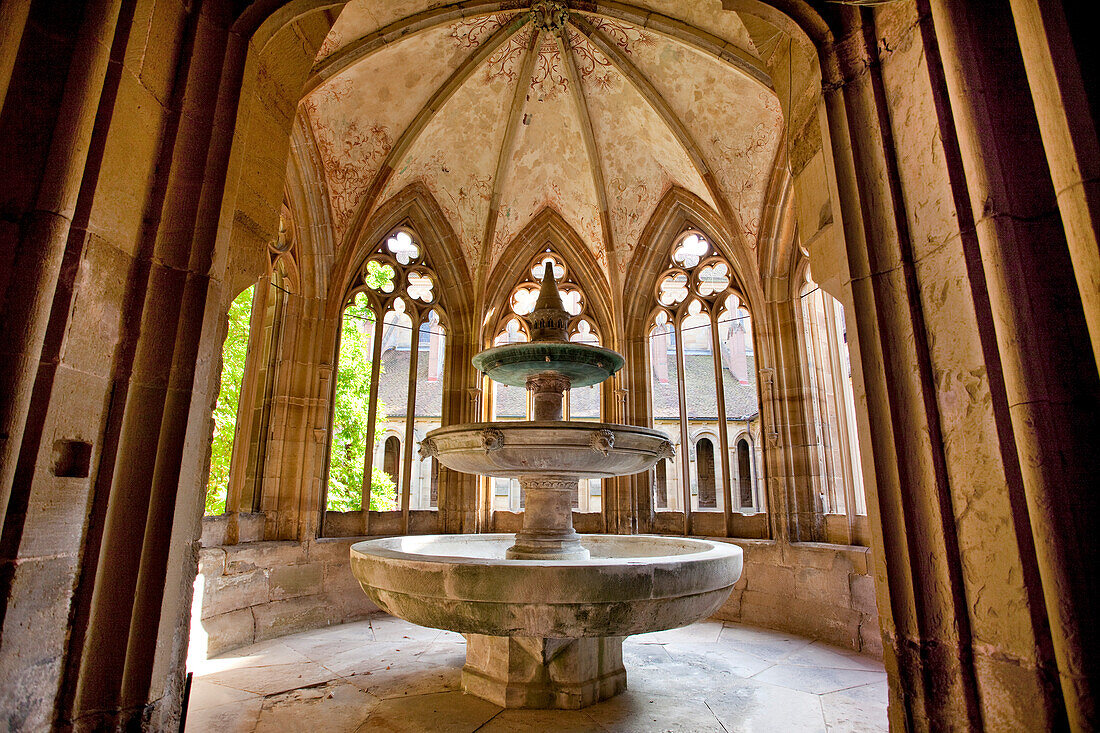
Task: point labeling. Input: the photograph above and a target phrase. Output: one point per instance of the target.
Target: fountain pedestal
(532, 672)
(548, 532)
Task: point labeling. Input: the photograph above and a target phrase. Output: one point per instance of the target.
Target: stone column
(547, 394)
(53, 134)
(548, 532)
(1004, 181)
(530, 672)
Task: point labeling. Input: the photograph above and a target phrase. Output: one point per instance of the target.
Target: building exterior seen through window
(828, 368)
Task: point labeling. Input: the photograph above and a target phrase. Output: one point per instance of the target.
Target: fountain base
(531, 672)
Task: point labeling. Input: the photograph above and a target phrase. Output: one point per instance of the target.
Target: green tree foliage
(229, 395)
(351, 411)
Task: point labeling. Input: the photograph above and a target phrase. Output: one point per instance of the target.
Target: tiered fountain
(544, 611)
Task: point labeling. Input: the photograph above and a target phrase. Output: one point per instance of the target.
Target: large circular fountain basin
(584, 365)
(519, 449)
(631, 584)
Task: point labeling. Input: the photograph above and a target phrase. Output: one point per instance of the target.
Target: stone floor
(388, 675)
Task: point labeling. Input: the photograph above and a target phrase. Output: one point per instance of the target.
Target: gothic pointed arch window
(513, 403)
(245, 407)
(388, 391)
(702, 381)
(835, 442)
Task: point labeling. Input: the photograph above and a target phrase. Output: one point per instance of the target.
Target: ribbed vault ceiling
(503, 112)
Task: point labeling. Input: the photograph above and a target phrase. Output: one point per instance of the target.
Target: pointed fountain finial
(549, 319)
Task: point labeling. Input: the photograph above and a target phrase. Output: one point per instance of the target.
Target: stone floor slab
(387, 675)
(855, 710)
(763, 643)
(818, 680)
(755, 707)
(447, 712)
(334, 707)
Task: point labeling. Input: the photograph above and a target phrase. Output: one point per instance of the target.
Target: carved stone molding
(428, 449)
(602, 441)
(530, 483)
(492, 439)
(548, 382)
(549, 15)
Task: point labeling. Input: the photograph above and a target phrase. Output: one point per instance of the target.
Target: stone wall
(810, 589)
(260, 590)
(254, 591)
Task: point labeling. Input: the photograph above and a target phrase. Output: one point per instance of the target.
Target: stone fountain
(545, 611)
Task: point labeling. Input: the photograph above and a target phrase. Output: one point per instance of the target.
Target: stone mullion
(723, 430)
(1049, 369)
(287, 425)
(314, 371)
(459, 492)
(685, 438)
(638, 411)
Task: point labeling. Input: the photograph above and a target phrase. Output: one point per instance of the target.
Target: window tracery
(702, 384)
(388, 393)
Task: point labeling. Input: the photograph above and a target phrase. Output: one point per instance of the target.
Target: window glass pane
(429, 409)
(351, 413)
(229, 394)
(859, 499)
(742, 412)
(666, 408)
(702, 411)
(393, 392)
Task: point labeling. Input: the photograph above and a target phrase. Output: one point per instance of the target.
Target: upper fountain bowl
(582, 364)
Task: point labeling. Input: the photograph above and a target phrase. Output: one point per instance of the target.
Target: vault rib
(362, 47)
(507, 147)
(595, 162)
(661, 106)
(426, 114)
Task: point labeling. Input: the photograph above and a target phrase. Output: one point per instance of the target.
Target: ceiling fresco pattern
(497, 136)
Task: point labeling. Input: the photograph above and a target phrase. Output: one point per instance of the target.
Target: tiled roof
(393, 385)
(700, 391)
(741, 402)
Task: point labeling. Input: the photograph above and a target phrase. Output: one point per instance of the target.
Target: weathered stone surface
(527, 672)
(286, 617)
(290, 581)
